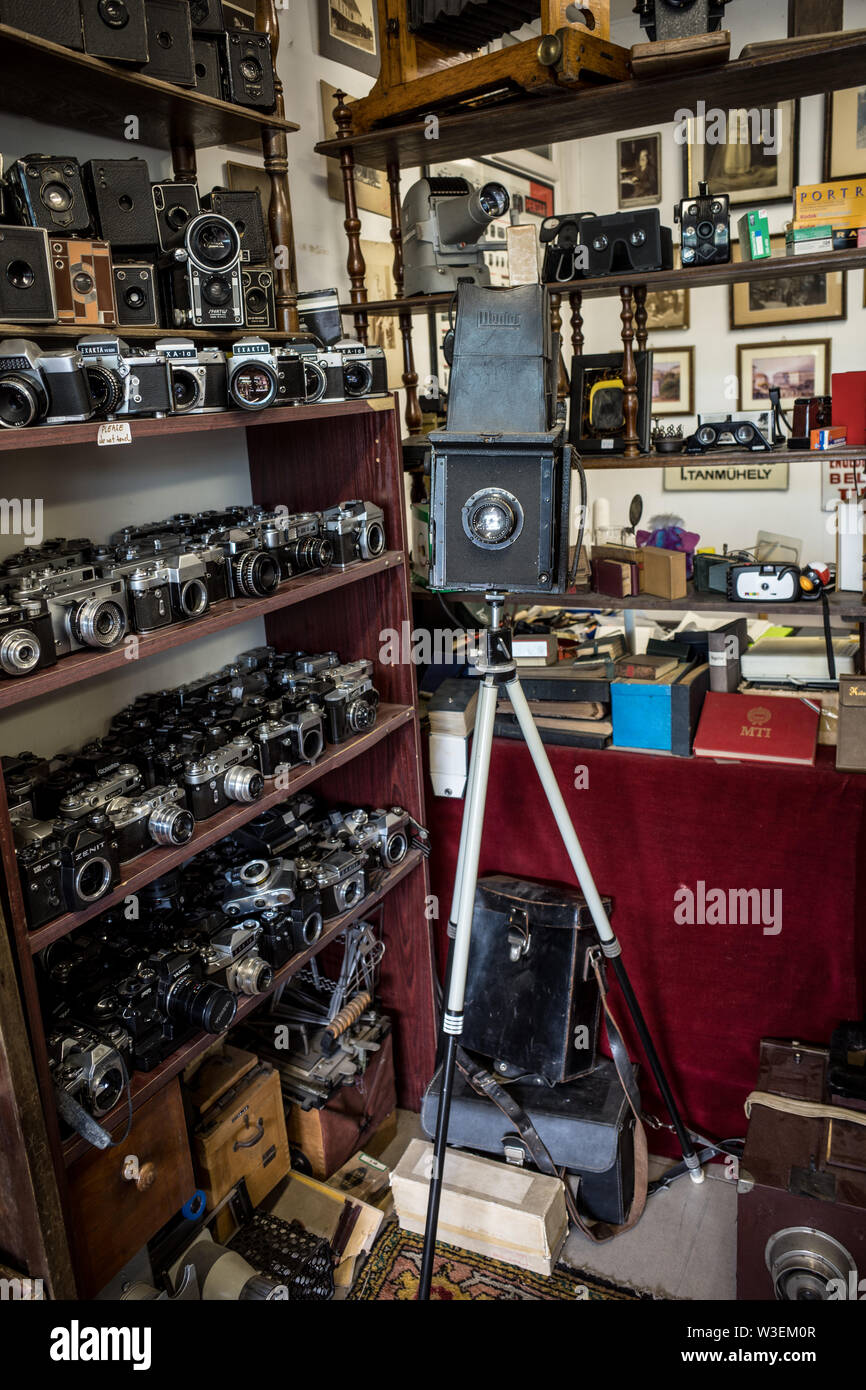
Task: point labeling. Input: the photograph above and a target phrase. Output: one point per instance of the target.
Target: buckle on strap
(519, 936)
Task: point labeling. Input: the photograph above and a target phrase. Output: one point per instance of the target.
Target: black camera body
(260, 305)
(351, 707)
(248, 72)
(175, 205)
(356, 530)
(169, 42)
(243, 207)
(57, 20)
(625, 241)
(754, 434)
(207, 16)
(65, 866)
(136, 294)
(26, 283)
(706, 228)
(679, 19)
(26, 638)
(227, 775)
(122, 202)
(202, 279)
(116, 30)
(207, 64)
(48, 191)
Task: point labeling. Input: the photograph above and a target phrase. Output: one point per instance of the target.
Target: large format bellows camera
(679, 19)
(501, 469)
(443, 222)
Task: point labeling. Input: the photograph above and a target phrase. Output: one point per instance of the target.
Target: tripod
(498, 671)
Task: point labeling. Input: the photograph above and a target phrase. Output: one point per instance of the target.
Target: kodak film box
(842, 204)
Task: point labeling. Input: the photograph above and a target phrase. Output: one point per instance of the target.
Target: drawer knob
(142, 1174)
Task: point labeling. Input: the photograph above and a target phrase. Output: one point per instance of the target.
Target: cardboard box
(663, 572)
(841, 204)
(659, 716)
(831, 437)
(850, 547)
(849, 404)
(318, 1208)
(509, 1214)
(364, 1178)
(754, 231)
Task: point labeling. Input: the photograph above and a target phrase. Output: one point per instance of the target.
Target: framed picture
(639, 160)
(673, 381)
(810, 297)
(239, 14)
(748, 165)
(348, 33)
(800, 369)
(371, 185)
(596, 420)
(845, 134)
(381, 330)
(667, 310)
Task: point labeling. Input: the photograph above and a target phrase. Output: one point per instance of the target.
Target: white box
(797, 658)
(449, 764)
(511, 1214)
(849, 547)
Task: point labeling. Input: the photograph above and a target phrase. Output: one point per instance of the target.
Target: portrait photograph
(745, 167)
(640, 165)
(845, 134)
(348, 33)
(667, 310)
(673, 382)
(808, 297)
(797, 369)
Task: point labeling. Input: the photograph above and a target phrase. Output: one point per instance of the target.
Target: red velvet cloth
(651, 824)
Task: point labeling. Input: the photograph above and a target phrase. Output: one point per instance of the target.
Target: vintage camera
(356, 531)
(26, 282)
(90, 1067)
(169, 42)
(115, 29)
(774, 583)
(298, 542)
(202, 279)
(186, 1000)
(217, 779)
(39, 387)
(259, 884)
(57, 20)
(810, 413)
(65, 866)
(443, 221)
(122, 381)
(158, 816)
(95, 796)
(623, 241)
(57, 552)
(135, 294)
(149, 605)
(207, 16)
(747, 432)
(291, 739)
(339, 875)
(280, 829)
(83, 282)
(248, 72)
(255, 376)
(198, 376)
(251, 570)
(260, 309)
(679, 19)
(86, 611)
(383, 833)
(347, 370)
(26, 638)
(207, 65)
(230, 956)
(47, 191)
(120, 196)
(350, 708)
(243, 207)
(563, 256)
(287, 904)
(175, 205)
(706, 224)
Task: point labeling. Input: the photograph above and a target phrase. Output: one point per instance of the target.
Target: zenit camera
(197, 377)
(39, 387)
(202, 278)
(65, 866)
(356, 530)
(26, 638)
(228, 774)
(124, 382)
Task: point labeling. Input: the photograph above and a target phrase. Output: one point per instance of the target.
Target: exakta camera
(356, 531)
(198, 377)
(347, 370)
(39, 387)
(228, 774)
(123, 382)
(260, 375)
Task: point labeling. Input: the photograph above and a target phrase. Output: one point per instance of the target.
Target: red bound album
(757, 728)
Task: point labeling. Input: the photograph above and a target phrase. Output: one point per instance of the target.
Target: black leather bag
(531, 1000)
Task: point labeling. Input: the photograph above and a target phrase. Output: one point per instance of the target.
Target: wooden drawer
(112, 1217)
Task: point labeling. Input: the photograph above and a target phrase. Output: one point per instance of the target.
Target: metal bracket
(519, 935)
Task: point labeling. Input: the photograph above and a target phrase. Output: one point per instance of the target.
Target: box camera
(26, 638)
(122, 202)
(65, 867)
(41, 387)
(810, 413)
(122, 381)
(26, 282)
(135, 294)
(443, 220)
(169, 42)
(243, 207)
(260, 310)
(199, 378)
(674, 19)
(90, 1067)
(86, 611)
(625, 241)
(47, 191)
(706, 224)
(202, 279)
(207, 65)
(115, 29)
(175, 205)
(248, 74)
(228, 774)
(207, 16)
(350, 708)
(158, 816)
(57, 20)
(83, 282)
(251, 570)
(356, 531)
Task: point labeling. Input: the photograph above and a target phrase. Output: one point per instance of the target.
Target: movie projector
(444, 220)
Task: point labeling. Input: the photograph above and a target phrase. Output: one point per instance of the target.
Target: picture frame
(383, 330)
(742, 169)
(349, 33)
(639, 170)
(804, 297)
(673, 381)
(801, 368)
(844, 134)
(668, 311)
(371, 186)
(591, 371)
(239, 14)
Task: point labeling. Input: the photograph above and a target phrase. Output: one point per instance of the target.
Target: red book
(757, 728)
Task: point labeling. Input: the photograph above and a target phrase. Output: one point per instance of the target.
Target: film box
(754, 230)
(841, 204)
(808, 241)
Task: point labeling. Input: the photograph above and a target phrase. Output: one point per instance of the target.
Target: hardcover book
(756, 728)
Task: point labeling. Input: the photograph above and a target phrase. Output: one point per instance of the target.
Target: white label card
(115, 432)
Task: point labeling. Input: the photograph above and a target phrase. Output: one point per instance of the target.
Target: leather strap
(485, 1083)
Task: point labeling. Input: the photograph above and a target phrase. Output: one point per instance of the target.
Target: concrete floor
(683, 1247)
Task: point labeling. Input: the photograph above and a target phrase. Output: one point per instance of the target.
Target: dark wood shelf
(720, 457)
(84, 666)
(825, 64)
(73, 90)
(844, 607)
(143, 870)
(146, 1084)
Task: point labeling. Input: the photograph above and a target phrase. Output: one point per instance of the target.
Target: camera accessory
(124, 382)
(41, 387)
(243, 207)
(217, 779)
(207, 16)
(90, 1067)
(679, 19)
(135, 294)
(26, 638)
(706, 224)
(57, 20)
(764, 583)
(158, 816)
(26, 282)
(175, 205)
(597, 406)
(207, 66)
(122, 201)
(356, 530)
(753, 433)
(260, 309)
(351, 707)
(47, 191)
(443, 219)
(115, 29)
(83, 282)
(623, 241)
(248, 74)
(198, 378)
(202, 279)
(169, 42)
(560, 237)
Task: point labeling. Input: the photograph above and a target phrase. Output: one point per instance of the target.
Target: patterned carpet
(393, 1266)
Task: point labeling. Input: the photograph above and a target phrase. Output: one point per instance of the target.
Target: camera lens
(57, 197)
(253, 387)
(82, 282)
(375, 544)
(257, 301)
(257, 574)
(216, 290)
(349, 893)
(244, 784)
(360, 716)
(310, 553)
(134, 297)
(251, 70)
(198, 11)
(744, 434)
(106, 389)
(184, 389)
(113, 13)
(106, 1090)
(494, 199)
(706, 435)
(357, 378)
(92, 880)
(803, 1261)
(312, 744)
(705, 230)
(638, 237)
(20, 275)
(396, 847)
(315, 381)
(492, 518)
(177, 216)
(172, 825)
(164, 39)
(213, 242)
(98, 622)
(252, 975)
(19, 652)
(312, 928)
(200, 1004)
(21, 402)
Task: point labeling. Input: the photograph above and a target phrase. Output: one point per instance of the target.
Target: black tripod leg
(440, 1146)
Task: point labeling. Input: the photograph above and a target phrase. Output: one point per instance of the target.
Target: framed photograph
(381, 330)
(810, 297)
(800, 369)
(371, 185)
(673, 381)
(745, 165)
(239, 14)
(845, 134)
(348, 33)
(596, 419)
(640, 170)
(667, 310)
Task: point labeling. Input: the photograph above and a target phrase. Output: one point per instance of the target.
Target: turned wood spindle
(183, 161)
(355, 264)
(629, 375)
(640, 317)
(562, 389)
(575, 299)
(410, 376)
(275, 150)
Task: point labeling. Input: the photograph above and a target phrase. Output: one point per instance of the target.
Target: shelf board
(82, 93)
(84, 666)
(823, 65)
(605, 286)
(720, 457)
(844, 608)
(143, 870)
(146, 1084)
